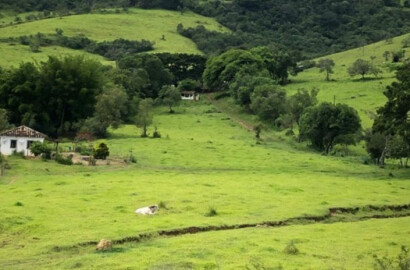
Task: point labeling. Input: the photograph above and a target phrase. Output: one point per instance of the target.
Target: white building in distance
(19, 140)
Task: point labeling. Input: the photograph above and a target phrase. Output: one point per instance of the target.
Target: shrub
(101, 152)
(156, 134)
(291, 249)
(64, 160)
(38, 148)
(211, 212)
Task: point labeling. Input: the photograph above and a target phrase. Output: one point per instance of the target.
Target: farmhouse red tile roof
(23, 131)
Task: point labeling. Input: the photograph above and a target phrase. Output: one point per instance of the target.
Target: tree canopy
(326, 124)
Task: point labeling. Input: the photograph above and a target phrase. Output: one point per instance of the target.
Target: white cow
(149, 210)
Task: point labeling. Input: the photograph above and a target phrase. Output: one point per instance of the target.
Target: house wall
(21, 146)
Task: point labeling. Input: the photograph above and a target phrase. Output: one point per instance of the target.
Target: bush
(101, 152)
(291, 249)
(156, 134)
(211, 212)
(38, 148)
(64, 160)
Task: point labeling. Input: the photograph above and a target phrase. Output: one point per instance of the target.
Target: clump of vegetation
(162, 205)
(402, 262)
(291, 249)
(144, 116)
(64, 160)
(362, 67)
(211, 212)
(156, 134)
(43, 149)
(18, 204)
(101, 151)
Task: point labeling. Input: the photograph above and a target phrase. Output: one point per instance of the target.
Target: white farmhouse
(189, 95)
(19, 140)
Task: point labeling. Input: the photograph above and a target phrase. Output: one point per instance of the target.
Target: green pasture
(136, 24)
(14, 54)
(364, 95)
(204, 160)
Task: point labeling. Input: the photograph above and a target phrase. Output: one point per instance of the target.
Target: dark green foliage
(156, 134)
(221, 70)
(112, 50)
(243, 85)
(101, 152)
(291, 249)
(64, 160)
(53, 96)
(268, 101)
(362, 67)
(110, 110)
(301, 101)
(326, 65)
(394, 118)
(18, 204)
(211, 212)
(38, 148)
(145, 116)
(313, 28)
(326, 125)
(189, 85)
(150, 70)
(183, 66)
(4, 120)
(375, 144)
(170, 96)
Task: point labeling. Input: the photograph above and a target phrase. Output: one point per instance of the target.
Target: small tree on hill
(362, 67)
(170, 95)
(326, 125)
(326, 65)
(144, 116)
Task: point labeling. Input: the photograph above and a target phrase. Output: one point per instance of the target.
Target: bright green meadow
(204, 160)
(207, 158)
(135, 24)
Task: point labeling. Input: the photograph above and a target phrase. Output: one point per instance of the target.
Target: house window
(29, 144)
(13, 144)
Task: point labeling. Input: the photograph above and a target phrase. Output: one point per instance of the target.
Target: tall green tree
(4, 121)
(302, 100)
(145, 116)
(327, 124)
(170, 96)
(269, 102)
(362, 67)
(110, 110)
(221, 70)
(393, 119)
(54, 96)
(326, 65)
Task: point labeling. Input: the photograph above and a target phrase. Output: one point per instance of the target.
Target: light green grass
(365, 96)
(203, 160)
(137, 24)
(13, 55)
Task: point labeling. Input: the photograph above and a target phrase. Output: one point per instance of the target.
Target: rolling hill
(135, 24)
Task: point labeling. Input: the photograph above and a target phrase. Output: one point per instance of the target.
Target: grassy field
(13, 55)
(136, 24)
(203, 160)
(364, 95)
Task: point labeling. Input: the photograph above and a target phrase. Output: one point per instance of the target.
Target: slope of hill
(159, 26)
(203, 160)
(13, 55)
(364, 95)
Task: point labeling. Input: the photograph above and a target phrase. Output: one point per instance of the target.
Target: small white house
(189, 95)
(19, 140)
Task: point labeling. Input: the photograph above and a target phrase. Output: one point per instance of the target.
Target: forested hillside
(311, 27)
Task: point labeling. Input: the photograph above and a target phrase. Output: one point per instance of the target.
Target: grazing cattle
(149, 210)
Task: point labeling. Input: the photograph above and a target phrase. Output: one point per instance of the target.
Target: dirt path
(334, 215)
(244, 124)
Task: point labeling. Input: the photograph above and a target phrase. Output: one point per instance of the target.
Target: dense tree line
(52, 97)
(112, 50)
